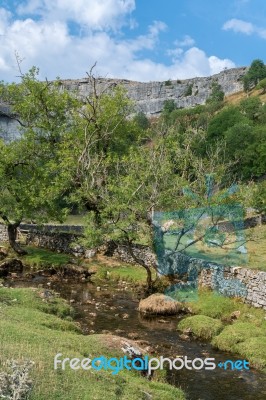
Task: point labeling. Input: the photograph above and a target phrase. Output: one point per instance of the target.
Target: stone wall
(248, 284)
(250, 222)
(3, 233)
(230, 281)
(254, 281)
(142, 252)
(61, 242)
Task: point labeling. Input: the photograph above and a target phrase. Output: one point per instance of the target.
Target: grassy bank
(232, 326)
(35, 327)
(42, 258)
(109, 269)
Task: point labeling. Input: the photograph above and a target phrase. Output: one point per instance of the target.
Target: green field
(256, 250)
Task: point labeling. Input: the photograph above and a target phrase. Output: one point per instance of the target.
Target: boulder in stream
(160, 304)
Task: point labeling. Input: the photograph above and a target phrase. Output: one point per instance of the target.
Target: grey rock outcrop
(149, 97)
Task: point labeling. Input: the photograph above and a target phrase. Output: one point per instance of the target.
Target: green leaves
(256, 73)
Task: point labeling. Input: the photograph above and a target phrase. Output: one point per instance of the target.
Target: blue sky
(142, 40)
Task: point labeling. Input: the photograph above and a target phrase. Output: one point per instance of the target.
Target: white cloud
(237, 25)
(217, 65)
(95, 14)
(187, 41)
(50, 45)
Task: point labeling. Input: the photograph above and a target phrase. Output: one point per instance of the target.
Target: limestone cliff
(148, 97)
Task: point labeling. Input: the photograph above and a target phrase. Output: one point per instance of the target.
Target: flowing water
(114, 310)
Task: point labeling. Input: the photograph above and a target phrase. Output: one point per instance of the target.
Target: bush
(188, 91)
(16, 384)
(168, 82)
(256, 73)
(141, 120)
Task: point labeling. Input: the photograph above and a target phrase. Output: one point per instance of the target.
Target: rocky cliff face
(148, 97)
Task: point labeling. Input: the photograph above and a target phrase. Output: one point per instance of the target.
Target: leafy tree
(256, 73)
(259, 197)
(31, 183)
(246, 147)
(262, 85)
(224, 120)
(143, 180)
(250, 107)
(189, 89)
(217, 94)
(168, 107)
(30, 188)
(141, 120)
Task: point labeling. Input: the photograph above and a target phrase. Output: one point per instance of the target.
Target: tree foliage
(217, 94)
(31, 183)
(256, 73)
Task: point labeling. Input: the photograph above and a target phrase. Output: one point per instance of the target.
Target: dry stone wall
(230, 281)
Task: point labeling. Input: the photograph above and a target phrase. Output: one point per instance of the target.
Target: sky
(143, 40)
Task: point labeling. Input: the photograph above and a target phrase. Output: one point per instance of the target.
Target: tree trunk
(12, 236)
(142, 263)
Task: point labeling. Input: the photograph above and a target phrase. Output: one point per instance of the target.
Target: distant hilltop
(149, 97)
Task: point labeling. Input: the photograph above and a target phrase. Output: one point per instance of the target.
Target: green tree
(142, 180)
(31, 183)
(259, 197)
(217, 94)
(262, 85)
(224, 120)
(256, 73)
(250, 107)
(246, 147)
(141, 120)
(168, 107)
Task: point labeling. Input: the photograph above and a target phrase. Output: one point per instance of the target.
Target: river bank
(107, 307)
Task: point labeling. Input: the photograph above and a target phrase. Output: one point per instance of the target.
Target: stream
(114, 310)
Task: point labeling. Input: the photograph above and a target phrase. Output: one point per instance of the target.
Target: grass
(235, 98)
(201, 326)
(245, 336)
(42, 258)
(254, 349)
(256, 250)
(215, 305)
(115, 271)
(246, 339)
(236, 333)
(29, 331)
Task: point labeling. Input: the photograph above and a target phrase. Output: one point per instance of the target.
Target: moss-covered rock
(201, 326)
